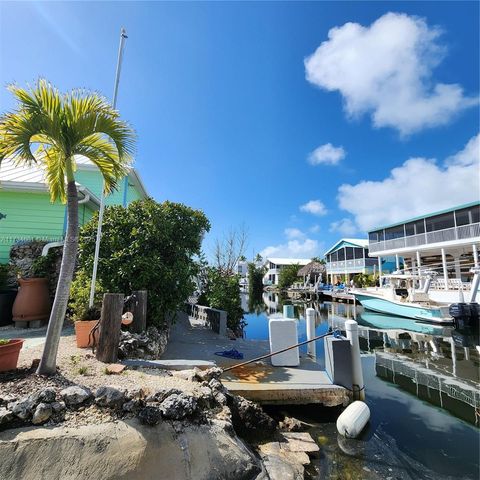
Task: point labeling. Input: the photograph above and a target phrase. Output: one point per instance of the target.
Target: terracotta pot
(33, 300)
(9, 354)
(7, 297)
(82, 333)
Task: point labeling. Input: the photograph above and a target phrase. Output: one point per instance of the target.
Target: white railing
(345, 265)
(452, 284)
(463, 232)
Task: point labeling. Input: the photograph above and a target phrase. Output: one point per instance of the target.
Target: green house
(26, 211)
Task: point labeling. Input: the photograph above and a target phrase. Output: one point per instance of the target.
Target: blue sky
(229, 113)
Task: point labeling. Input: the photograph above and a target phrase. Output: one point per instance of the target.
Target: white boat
(399, 297)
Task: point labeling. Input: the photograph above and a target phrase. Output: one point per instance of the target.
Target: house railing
(213, 318)
(464, 232)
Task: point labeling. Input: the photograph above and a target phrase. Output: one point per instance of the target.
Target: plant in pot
(9, 352)
(8, 292)
(32, 304)
(84, 316)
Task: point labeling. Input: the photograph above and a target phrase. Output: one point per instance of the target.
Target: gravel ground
(79, 366)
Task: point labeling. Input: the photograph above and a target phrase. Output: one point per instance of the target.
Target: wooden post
(139, 324)
(110, 324)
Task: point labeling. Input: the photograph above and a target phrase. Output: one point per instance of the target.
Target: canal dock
(192, 344)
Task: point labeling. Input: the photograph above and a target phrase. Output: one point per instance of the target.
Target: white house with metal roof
(275, 266)
(447, 242)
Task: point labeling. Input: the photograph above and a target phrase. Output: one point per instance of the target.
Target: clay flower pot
(9, 354)
(82, 333)
(33, 300)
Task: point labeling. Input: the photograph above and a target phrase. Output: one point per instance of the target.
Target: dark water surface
(422, 388)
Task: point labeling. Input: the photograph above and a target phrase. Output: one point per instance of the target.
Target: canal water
(422, 386)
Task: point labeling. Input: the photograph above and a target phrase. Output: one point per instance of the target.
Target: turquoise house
(27, 213)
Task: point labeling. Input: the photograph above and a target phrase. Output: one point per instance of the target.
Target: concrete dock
(192, 344)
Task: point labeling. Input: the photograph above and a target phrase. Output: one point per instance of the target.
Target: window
(410, 229)
(349, 252)
(373, 237)
(419, 227)
(341, 255)
(394, 232)
(466, 216)
(440, 222)
(335, 256)
(358, 253)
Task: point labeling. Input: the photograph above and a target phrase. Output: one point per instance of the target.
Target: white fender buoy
(353, 419)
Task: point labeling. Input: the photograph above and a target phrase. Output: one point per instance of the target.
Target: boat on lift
(400, 297)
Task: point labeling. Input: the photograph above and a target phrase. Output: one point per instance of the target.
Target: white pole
(444, 267)
(310, 317)
(475, 255)
(397, 262)
(380, 270)
(418, 269)
(351, 327)
(123, 36)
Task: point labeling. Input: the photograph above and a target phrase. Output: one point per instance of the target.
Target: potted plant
(32, 303)
(84, 316)
(9, 352)
(8, 292)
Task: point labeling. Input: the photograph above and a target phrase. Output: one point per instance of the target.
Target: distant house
(27, 213)
(349, 257)
(275, 265)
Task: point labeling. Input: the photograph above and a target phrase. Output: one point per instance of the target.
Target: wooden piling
(139, 324)
(110, 323)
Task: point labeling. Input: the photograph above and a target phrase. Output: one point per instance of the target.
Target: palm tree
(49, 128)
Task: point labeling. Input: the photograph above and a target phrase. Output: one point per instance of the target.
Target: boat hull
(417, 312)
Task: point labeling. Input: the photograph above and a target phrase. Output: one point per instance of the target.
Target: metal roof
(352, 242)
(35, 173)
(288, 261)
(427, 215)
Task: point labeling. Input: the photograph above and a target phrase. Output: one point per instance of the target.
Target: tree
(229, 250)
(288, 275)
(60, 126)
(147, 246)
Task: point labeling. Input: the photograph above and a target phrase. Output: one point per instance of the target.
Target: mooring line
(336, 333)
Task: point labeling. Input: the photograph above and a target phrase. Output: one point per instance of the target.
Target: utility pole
(123, 37)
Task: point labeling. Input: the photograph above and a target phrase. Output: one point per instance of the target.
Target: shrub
(80, 297)
(147, 245)
(223, 292)
(288, 275)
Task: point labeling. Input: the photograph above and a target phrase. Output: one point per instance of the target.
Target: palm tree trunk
(48, 363)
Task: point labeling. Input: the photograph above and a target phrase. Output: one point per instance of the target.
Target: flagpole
(123, 37)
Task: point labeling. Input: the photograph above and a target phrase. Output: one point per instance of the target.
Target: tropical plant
(79, 303)
(147, 246)
(50, 128)
(288, 275)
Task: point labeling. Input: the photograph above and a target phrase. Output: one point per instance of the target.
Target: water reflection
(422, 385)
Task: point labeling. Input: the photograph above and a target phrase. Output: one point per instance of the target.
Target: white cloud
(292, 233)
(314, 229)
(417, 187)
(306, 248)
(345, 227)
(315, 207)
(385, 69)
(327, 155)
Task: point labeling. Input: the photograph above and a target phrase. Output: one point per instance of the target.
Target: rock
(109, 397)
(42, 413)
(47, 395)
(23, 409)
(191, 375)
(210, 373)
(132, 405)
(149, 345)
(150, 416)
(5, 399)
(129, 450)
(137, 394)
(205, 397)
(115, 368)
(58, 406)
(75, 395)
(300, 442)
(248, 418)
(5, 416)
(161, 395)
(290, 424)
(178, 406)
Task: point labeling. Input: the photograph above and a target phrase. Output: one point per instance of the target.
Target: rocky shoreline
(205, 405)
